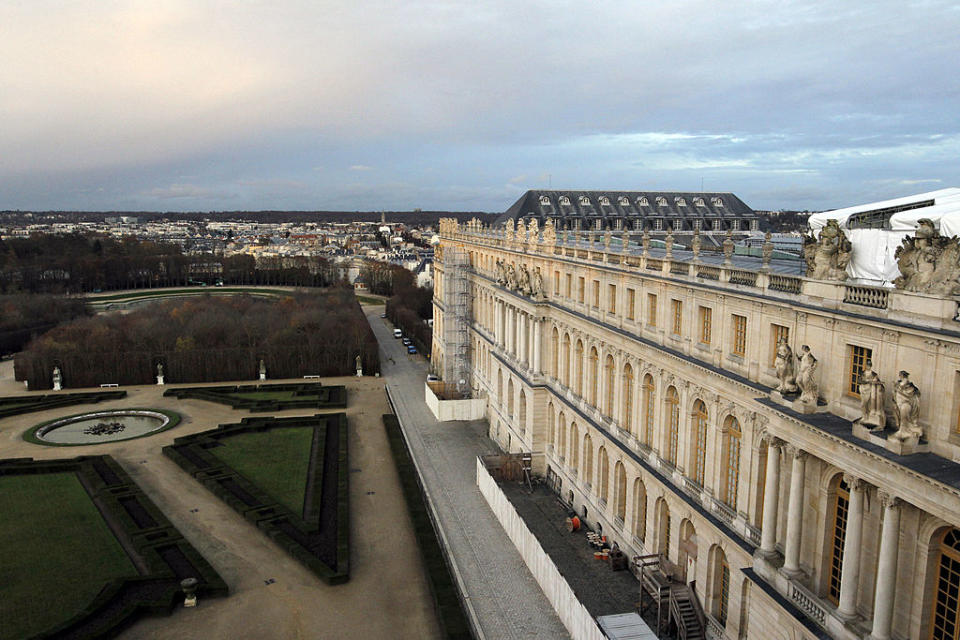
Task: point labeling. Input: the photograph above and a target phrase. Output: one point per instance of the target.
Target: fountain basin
(98, 427)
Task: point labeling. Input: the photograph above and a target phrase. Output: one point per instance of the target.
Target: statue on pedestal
(728, 246)
(511, 277)
(523, 281)
(501, 273)
(906, 408)
(645, 241)
(537, 286)
(695, 245)
(263, 370)
(160, 373)
(668, 243)
(359, 363)
(57, 379)
(807, 377)
(871, 398)
(828, 255)
(785, 368)
(766, 251)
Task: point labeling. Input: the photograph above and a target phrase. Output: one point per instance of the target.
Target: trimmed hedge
(153, 541)
(446, 597)
(319, 537)
(314, 395)
(16, 405)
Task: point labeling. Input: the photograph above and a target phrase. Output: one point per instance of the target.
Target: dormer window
(565, 201)
(604, 201)
(661, 201)
(584, 201)
(717, 202)
(680, 202)
(544, 200)
(623, 201)
(698, 202)
(643, 202)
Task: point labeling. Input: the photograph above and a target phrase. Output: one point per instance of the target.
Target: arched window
(687, 551)
(838, 517)
(594, 381)
(578, 375)
(649, 402)
(584, 200)
(732, 438)
(555, 350)
(945, 620)
(587, 459)
(605, 201)
(643, 202)
(603, 475)
(620, 487)
(574, 446)
(639, 510)
(699, 420)
(627, 417)
(609, 371)
(544, 200)
(500, 387)
(566, 360)
(523, 410)
(721, 586)
(680, 202)
(510, 400)
(661, 201)
(562, 435)
(551, 424)
(564, 200)
(623, 201)
(672, 417)
(761, 482)
(663, 528)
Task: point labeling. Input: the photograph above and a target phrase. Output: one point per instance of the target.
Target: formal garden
(288, 476)
(269, 397)
(118, 557)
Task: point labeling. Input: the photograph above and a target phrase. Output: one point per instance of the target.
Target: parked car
(397, 333)
(411, 349)
(406, 342)
(383, 315)
(432, 377)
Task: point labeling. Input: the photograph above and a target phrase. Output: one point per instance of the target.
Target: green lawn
(56, 552)
(154, 293)
(369, 300)
(276, 460)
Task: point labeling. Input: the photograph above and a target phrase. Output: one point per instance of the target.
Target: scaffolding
(456, 320)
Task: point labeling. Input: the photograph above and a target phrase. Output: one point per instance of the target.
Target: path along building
(643, 381)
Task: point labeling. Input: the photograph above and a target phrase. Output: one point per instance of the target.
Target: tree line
(25, 316)
(409, 306)
(75, 263)
(206, 339)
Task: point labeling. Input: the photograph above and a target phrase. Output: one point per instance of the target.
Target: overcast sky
(243, 104)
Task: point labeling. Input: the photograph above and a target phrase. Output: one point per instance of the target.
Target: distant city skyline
(214, 106)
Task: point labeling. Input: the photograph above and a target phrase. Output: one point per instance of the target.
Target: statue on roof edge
(828, 254)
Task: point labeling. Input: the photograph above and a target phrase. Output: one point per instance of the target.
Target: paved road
(507, 600)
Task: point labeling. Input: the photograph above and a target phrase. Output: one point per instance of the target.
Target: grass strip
(446, 597)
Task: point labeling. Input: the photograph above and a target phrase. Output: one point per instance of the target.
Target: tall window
(594, 380)
(677, 317)
(946, 621)
(649, 402)
(706, 324)
(700, 441)
(578, 374)
(551, 424)
(721, 586)
(612, 298)
(652, 309)
(858, 358)
(627, 417)
(581, 286)
(562, 433)
(672, 416)
(841, 511)
(596, 294)
(663, 520)
(639, 510)
(556, 282)
(631, 303)
(555, 349)
(574, 446)
(587, 458)
(620, 487)
(569, 286)
(777, 333)
(739, 335)
(609, 374)
(731, 462)
(566, 360)
(603, 477)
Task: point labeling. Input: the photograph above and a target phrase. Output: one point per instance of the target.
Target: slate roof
(627, 205)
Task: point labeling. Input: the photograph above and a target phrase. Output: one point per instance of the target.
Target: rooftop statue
(501, 273)
(928, 262)
(510, 275)
(827, 256)
(549, 233)
(537, 286)
(523, 280)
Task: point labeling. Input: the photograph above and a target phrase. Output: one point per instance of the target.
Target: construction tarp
(872, 259)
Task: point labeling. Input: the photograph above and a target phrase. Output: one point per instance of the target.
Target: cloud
(360, 167)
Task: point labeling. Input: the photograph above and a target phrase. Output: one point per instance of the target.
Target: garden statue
(263, 370)
(906, 408)
(807, 377)
(828, 255)
(160, 373)
(189, 586)
(928, 262)
(728, 246)
(785, 368)
(695, 245)
(871, 398)
(359, 363)
(57, 379)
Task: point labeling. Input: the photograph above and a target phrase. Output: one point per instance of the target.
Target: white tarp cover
(872, 257)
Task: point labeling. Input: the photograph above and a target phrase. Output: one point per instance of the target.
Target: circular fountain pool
(102, 426)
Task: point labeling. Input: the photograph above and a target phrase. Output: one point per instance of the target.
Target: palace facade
(643, 380)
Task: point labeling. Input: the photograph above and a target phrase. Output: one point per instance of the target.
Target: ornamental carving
(906, 408)
(549, 233)
(928, 262)
(828, 254)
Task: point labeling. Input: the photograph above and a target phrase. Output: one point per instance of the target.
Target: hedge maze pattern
(16, 405)
(304, 395)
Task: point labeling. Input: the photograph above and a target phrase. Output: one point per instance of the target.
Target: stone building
(645, 381)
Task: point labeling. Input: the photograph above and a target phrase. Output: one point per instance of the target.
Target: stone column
(771, 498)
(498, 321)
(537, 347)
(886, 568)
(791, 565)
(850, 570)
